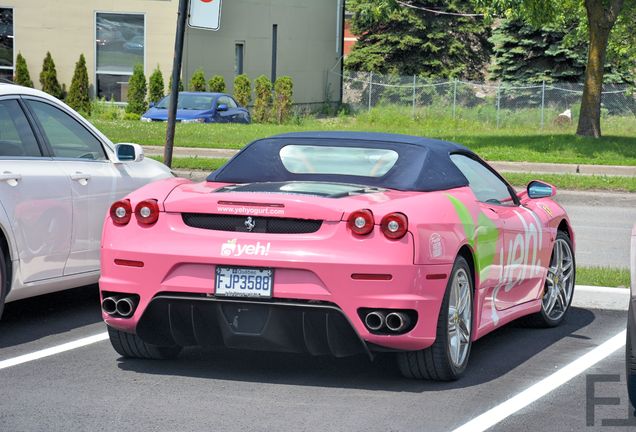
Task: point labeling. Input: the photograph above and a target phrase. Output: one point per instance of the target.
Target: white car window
(367, 162)
(67, 137)
(16, 136)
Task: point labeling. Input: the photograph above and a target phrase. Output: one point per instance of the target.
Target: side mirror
(129, 153)
(538, 189)
(221, 107)
(151, 105)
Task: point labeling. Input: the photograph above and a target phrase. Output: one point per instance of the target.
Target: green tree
(398, 39)
(48, 78)
(601, 16)
(78, 97)
(217, 84)
(283, 99)
(242, 90)
(22, 76)
(137, 90)
(523, 53)
(555, 53)
(197, 82)
(263, 100)
(170, 85)
(156, 90)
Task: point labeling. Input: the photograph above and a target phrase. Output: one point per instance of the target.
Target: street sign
(205, 14)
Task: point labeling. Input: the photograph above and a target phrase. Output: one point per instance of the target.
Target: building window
(238, 58)
(6, 43)
(120, 45)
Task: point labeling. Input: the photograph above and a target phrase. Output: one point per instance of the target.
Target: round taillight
(147, 212)
(121, 212)
(394, 226)
(361, 222)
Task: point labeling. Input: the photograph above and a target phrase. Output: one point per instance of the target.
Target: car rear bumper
(317, 329)
(311, 272)
(307, 270)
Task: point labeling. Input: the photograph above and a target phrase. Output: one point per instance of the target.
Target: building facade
(299, 38)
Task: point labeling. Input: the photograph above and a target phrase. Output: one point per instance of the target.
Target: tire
(437, 362)
(131, 346)
(630, 360)
(4, 281)
(562, 286)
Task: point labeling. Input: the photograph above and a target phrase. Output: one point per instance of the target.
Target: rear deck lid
(299, 200)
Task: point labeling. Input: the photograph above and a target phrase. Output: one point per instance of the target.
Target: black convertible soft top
(423, 164)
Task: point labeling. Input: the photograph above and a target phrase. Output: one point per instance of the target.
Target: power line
(436, 12)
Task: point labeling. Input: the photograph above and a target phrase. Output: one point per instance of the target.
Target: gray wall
(307, 44)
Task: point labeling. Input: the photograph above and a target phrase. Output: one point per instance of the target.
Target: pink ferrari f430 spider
(336, 244)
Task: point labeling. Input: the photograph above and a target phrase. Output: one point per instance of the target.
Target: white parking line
(79, 343)
(545, 386)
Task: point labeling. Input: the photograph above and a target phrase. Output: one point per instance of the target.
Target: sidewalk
(525, 167)
(591, 297)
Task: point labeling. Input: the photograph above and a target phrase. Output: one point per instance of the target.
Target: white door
(95, 181)
(36, 195)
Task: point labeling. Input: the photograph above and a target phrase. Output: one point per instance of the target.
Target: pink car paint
(511, 245)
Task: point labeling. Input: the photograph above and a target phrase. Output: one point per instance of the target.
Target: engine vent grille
(253, 224)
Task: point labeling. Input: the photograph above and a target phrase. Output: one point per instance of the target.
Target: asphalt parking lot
(91, 388)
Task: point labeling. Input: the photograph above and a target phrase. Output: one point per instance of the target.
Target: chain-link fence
(501, 105)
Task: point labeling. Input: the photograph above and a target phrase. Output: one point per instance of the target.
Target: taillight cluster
(394, 226)
(146, 212)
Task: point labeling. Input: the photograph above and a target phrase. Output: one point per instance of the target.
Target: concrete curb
(192, 152)
(595, 198)
(557, 168)
(591, 297)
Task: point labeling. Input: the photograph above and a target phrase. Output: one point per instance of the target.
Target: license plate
(244, 282)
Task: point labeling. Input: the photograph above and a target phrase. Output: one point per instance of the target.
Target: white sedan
(58, 177)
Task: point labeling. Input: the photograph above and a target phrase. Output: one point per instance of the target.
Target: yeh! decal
(521, 258)
(233, 248)
(515, 260)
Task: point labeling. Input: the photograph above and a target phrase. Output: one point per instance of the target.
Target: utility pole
(176, 79)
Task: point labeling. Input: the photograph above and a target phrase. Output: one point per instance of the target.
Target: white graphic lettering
(521, 262)
(233, 248)
(251, 211)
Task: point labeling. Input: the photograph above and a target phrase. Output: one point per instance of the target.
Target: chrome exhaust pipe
(125, 307)
(109, 305)
(374, 320)
(397, 321)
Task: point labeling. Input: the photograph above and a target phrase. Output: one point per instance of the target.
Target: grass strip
(575, 181)
(510, 142)
(603, 276)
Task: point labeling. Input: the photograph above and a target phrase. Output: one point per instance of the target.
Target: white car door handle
(80, 176)
(8, 176)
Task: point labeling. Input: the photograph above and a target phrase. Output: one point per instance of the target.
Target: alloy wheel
(459, 318)
(559, 281)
